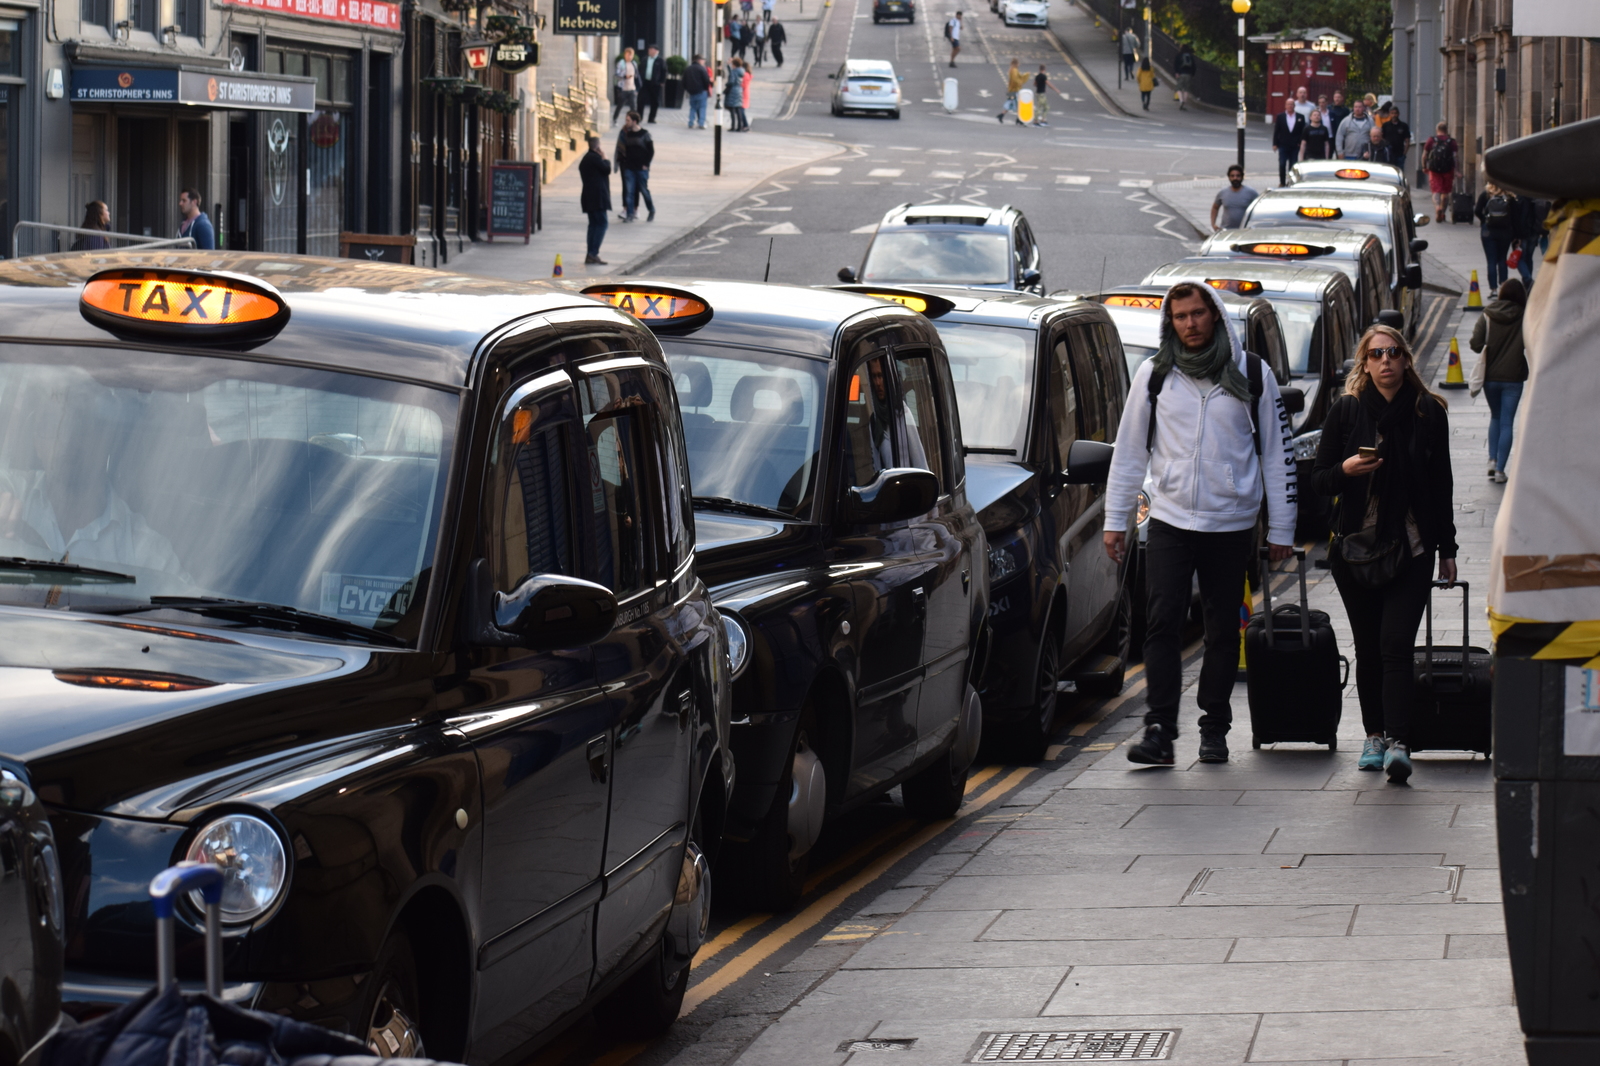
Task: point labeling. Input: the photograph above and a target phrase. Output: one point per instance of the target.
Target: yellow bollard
(1452, 374)
(556, 273)
(1474, 297)
(1025, 106)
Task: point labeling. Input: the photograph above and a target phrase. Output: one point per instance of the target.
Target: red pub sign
(373, 14)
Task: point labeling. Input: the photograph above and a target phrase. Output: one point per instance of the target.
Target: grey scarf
(1214, 362)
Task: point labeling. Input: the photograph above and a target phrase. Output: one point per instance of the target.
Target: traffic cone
(556, 273)
(1474, 297)
(1452, 374)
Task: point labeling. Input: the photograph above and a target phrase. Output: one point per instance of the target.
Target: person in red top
(1441, 157)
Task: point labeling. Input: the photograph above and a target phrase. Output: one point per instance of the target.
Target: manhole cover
(1054, 1047)
(888, 1044)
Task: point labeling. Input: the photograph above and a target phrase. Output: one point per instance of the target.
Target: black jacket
(1383, 152)
(1336, 114)
(696, 79)
(1285, 140)
(658, 71)
(635, 149)
(1348, 427)
(776, 34)
(595, 170)
(1397, 133)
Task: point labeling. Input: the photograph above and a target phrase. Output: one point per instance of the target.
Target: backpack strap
(1157, 379)
(1252, 371)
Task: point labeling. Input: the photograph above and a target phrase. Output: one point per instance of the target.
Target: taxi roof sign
(212, 308)
(923, 303)
(1352, 174)
(1147, 303)
(1243, 288)
(1320, 212)
(662, 309)
(1288, 251)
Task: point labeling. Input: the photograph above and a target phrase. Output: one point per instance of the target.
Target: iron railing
(53, 234)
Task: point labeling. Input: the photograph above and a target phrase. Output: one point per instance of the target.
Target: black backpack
(947, 31)
(1253, 372)
(1441, 157)
(1497, 213)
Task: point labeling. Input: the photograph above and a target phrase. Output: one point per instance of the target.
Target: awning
(196, 88)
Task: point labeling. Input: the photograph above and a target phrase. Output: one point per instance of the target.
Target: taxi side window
(674, 474)
(1063, 404)
(1113, 366)
(528, 494)
(624, 499)
(919, 396)
(1089, 377)
(869, 445)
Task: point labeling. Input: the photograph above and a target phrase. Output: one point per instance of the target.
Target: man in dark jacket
(777, 37)
(1398, 137)
(634, 152)
(1337, 114)
(652, 80)
(595, 170)
(697, 87)
(1288, 132)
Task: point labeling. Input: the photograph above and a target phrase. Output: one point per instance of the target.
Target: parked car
(31, 918)
(866, 85)
(1359, 254)
(1025, 12)
(894, 9)
(952, 244)
(1354, 172)
(1039, 385)
(833, 525)
(1383, 211)
(391, 609)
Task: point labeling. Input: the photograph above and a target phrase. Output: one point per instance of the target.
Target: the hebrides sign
(580, 18)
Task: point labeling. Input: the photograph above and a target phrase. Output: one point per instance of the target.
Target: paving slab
(1016, 990)
(1340, 948)
(1484, 1035)
(1136, 923)
(895, 950)
(1323, 884)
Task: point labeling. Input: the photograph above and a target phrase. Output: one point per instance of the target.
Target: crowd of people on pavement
(1320, 129)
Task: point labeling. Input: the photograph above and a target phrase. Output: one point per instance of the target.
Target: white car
(866, 85)
(1025, 12)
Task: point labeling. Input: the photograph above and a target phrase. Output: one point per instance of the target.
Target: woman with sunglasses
(1385, 454)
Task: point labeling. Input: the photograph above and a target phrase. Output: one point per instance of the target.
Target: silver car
(866, 85)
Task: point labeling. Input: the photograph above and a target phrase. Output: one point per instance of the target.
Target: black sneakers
(1155, 749)
(1213, 747)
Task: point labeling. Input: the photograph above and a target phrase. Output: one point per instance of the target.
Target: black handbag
(1370, 561)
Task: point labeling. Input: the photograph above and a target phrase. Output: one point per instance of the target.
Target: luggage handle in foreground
(1466, 620)
(1266, 597)
(165, 889)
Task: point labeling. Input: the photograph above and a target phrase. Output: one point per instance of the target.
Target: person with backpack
(1496, 212)
(1440, 157)
(1394, 514)
(952, 33)
(1502, 370)
(1204, 417)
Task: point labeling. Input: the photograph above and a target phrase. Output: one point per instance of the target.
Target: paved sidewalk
(1096, 50)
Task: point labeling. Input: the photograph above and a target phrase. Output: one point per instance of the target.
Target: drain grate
(893, 1043)
(1143, 1044)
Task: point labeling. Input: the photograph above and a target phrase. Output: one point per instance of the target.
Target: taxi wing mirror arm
(545, 611)
(1088, 463)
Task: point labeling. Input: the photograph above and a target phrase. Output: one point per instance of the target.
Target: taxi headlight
(1143, 511)
(1005, 560)
(254, 866)
(738, 643)
(1306, 445)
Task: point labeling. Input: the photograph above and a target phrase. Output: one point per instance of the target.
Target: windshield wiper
(266, 615)
(71, 571)
(723, 503)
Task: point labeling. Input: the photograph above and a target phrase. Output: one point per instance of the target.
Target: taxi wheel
(1031, 735)
(895, 113)
(394, 1019)
(773, 875)
(937, 791)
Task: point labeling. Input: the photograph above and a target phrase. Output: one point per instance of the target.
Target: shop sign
(139, 85)
(148, 85)
(373, 14)
(515, 58)
(581, 18)
(477, 56)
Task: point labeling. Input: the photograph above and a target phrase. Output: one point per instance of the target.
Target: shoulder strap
(1253, 368)
(1157, 379)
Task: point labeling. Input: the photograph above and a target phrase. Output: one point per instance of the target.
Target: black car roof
(345, 314)
(1298, 280)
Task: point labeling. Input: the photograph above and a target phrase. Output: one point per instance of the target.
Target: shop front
(1318, 59)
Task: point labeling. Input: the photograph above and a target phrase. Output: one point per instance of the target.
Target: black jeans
(1383, 627)
(1172, 558)
(650, 98)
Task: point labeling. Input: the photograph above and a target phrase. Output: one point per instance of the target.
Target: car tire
(770, 877)
(837, 113)
(895, 113)
(1117, 642)
(394, 1008)
(936, 791)
(1030, 737)
(876, 20)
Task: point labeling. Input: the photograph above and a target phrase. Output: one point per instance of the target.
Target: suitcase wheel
(1255, 742)
(1333, 743)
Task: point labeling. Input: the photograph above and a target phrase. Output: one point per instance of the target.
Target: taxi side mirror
(1421, 220)
(1294, 400)
(895, 495)
(1418, 246)
(1088, 463)
(846, 274)
(546, 611)
(1031, 278)
(1414, 276)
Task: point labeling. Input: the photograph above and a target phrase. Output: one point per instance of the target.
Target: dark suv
(952, 244)
(834, 529)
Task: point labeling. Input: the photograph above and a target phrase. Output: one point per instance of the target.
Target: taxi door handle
(600, 758)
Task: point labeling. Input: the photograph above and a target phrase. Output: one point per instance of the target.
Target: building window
(330, 142)
(96, 13)
(143, 14)
(189, 16)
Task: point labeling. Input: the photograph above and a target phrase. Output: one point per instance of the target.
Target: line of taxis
(477, 629)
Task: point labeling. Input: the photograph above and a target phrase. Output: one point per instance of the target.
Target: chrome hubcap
(392, 1033)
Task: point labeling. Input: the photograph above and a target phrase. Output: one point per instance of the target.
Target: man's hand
(1116, 545)
(1447, 571)
(1277, 553)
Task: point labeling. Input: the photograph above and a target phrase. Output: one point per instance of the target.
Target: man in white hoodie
(1207, 421)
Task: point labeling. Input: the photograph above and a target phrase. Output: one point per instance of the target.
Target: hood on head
(1234, 343)
(1503, 311)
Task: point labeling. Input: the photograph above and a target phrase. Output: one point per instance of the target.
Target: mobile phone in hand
(1367, 453)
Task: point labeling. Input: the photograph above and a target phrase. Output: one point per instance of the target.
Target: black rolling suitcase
(1450, 711)
(1292, 670)
(1461, 207)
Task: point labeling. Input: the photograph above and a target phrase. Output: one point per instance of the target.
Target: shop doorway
(149, 204)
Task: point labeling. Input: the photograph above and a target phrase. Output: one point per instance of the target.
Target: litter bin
(1544, 606)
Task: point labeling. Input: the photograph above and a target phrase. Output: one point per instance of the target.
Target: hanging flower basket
(498, 26)
(520, 34)
(449, 88)
(499, 100)
(457, 5)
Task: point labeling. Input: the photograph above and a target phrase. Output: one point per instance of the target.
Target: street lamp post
(1241, 8)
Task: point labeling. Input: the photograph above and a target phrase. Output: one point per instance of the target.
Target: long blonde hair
(1358, 378)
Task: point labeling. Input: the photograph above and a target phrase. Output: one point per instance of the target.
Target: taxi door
(1092, 576)
(888, 592)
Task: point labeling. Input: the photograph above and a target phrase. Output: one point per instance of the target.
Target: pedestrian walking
(1015, 80)
(1184, 69)
(1130, 51)
(652, 81)
(746, 7)
(738, 40)
(1326, 112)
(1496, 212)
(1351, 139)
(1205, 419)
(1503, 368)
(1318, 143)
(1147, 82)
(1041, 96)
(758, 40)
(768, 8)
(746, 76)
(1288, 134)
(734, 98)
(195, 223)
(952, 33)
(1232, 201)
(1397, 135)
(96, 215)
(1441, 157)
(1302, 103)
(777, 37)
(634, 152)
(595, 171)
(697, 85)
(1385, 455)
(1378, 149)
(625, 78)
(1528, 230)
(1337, 113)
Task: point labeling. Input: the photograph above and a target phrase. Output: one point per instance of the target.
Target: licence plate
(870, 89)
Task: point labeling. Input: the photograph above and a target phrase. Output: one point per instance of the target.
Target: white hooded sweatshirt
(1203, 466)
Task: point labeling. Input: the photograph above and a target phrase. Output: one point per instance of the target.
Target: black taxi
(833, 526)
(31, 918)
(1040, 384)
(375, 586)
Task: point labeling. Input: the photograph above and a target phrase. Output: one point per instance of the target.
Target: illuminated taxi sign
(662, 309)
(1282, 250)
(916, 303)
(208, 308)
(925, 304)
(1320, 212)
(1146, 303)
(1243, 288)
(1352, 174)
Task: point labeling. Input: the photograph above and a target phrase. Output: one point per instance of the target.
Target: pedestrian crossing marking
(871, 227)
(782, 229)
(1072, 179)
(1004, 175)
(1135, 183)
(952, 175)
(821, 171)
(885, 172)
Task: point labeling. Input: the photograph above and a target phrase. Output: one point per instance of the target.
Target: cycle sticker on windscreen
(1582, 725)
(363, 597)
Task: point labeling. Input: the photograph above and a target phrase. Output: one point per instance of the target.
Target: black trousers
(1172, 558)
(650, 96)
(777, 52)
(1383, 627)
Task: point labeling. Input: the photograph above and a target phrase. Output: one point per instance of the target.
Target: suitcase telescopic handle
(1466, 620)
(1265, 554)
(165, 890)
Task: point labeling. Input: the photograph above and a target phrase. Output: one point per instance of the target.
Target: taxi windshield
(1299, 322)
(969, 257)
(193, 476)
(752, 421)
(993, 371)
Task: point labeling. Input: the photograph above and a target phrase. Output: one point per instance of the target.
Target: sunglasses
(1380, 354)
